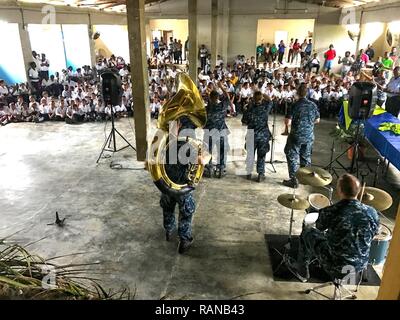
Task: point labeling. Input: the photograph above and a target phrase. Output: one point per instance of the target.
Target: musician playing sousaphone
(176, 160)
(342, 236)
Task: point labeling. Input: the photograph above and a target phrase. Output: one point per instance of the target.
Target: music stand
(111, 94)
(273, 133)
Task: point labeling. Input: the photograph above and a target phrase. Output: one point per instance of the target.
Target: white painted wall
(296, 29)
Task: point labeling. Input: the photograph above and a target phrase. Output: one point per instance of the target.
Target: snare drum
(380, 245)
(317, 201)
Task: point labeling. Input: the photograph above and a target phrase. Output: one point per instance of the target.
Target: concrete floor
(114, 215)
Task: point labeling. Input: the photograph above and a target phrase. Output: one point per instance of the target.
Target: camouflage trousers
(298, 154)
(314, 246)
(221, 144)
(261, 146)
(187, 207)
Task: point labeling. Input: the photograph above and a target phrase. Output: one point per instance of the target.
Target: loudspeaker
(111, 88)
(392, 105)
(362, 100)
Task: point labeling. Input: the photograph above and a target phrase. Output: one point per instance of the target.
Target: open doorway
(166, 28)
(281, 35)
(158, 34)
(168, 35)
(271, 31)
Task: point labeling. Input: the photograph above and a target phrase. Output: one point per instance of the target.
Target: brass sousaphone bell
(187, 102)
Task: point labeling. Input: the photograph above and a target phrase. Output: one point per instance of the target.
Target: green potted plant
(349, 136)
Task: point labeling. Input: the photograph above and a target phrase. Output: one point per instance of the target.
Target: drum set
(318, 177)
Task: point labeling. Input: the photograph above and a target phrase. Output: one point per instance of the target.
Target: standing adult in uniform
(178, 171)
(302, 117)
(216, 132)
(257, 123)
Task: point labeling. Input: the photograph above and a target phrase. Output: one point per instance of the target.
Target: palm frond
(23, 274)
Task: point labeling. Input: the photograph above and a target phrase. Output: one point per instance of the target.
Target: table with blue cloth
(387, 143)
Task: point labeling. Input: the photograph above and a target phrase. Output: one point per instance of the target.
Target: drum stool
(340, 291)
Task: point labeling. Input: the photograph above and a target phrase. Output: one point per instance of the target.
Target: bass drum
(380, 245)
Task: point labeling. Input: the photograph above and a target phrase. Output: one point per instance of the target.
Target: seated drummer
(342, 237)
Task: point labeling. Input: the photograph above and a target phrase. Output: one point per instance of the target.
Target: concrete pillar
(148, 38)
(390, 286)
(214, 32)
(224, 35)
(359, 33)
(193, 46)
(139, 73)
(91, 43)
(25, 45)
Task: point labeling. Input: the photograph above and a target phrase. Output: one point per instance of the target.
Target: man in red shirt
(330, 55)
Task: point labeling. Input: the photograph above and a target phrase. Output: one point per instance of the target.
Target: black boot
(291, 183)
(184, 245)
(261, 177)
(168, 235)
(220, 173)
(207, 171)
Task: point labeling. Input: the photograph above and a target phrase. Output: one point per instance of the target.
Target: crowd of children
(74, 96)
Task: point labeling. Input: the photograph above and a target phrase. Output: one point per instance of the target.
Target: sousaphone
(187, 102)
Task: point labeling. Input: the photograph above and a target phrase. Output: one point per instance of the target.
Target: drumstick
(362, 192)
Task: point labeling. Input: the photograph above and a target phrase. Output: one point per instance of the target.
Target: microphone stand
(273, 134)
(376, 175)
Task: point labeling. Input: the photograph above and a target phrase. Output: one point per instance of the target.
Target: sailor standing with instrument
(178, 172)
(302, 117)
(257, 121)
(343, 234)
(176, 160)
(216, 131)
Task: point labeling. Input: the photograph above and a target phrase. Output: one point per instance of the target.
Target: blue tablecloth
(386, 142)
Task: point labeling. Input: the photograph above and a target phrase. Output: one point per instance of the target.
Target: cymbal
(293, 202)
(377, 198)
(314, 176)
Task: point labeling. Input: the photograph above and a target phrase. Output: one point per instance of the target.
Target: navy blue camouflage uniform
(179, 173)
(257, 122)
(342, 237)
(300, 141)
(216, 132)
(188, 126)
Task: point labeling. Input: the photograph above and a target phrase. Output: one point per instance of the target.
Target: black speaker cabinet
(111, 87)
(362, 100)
